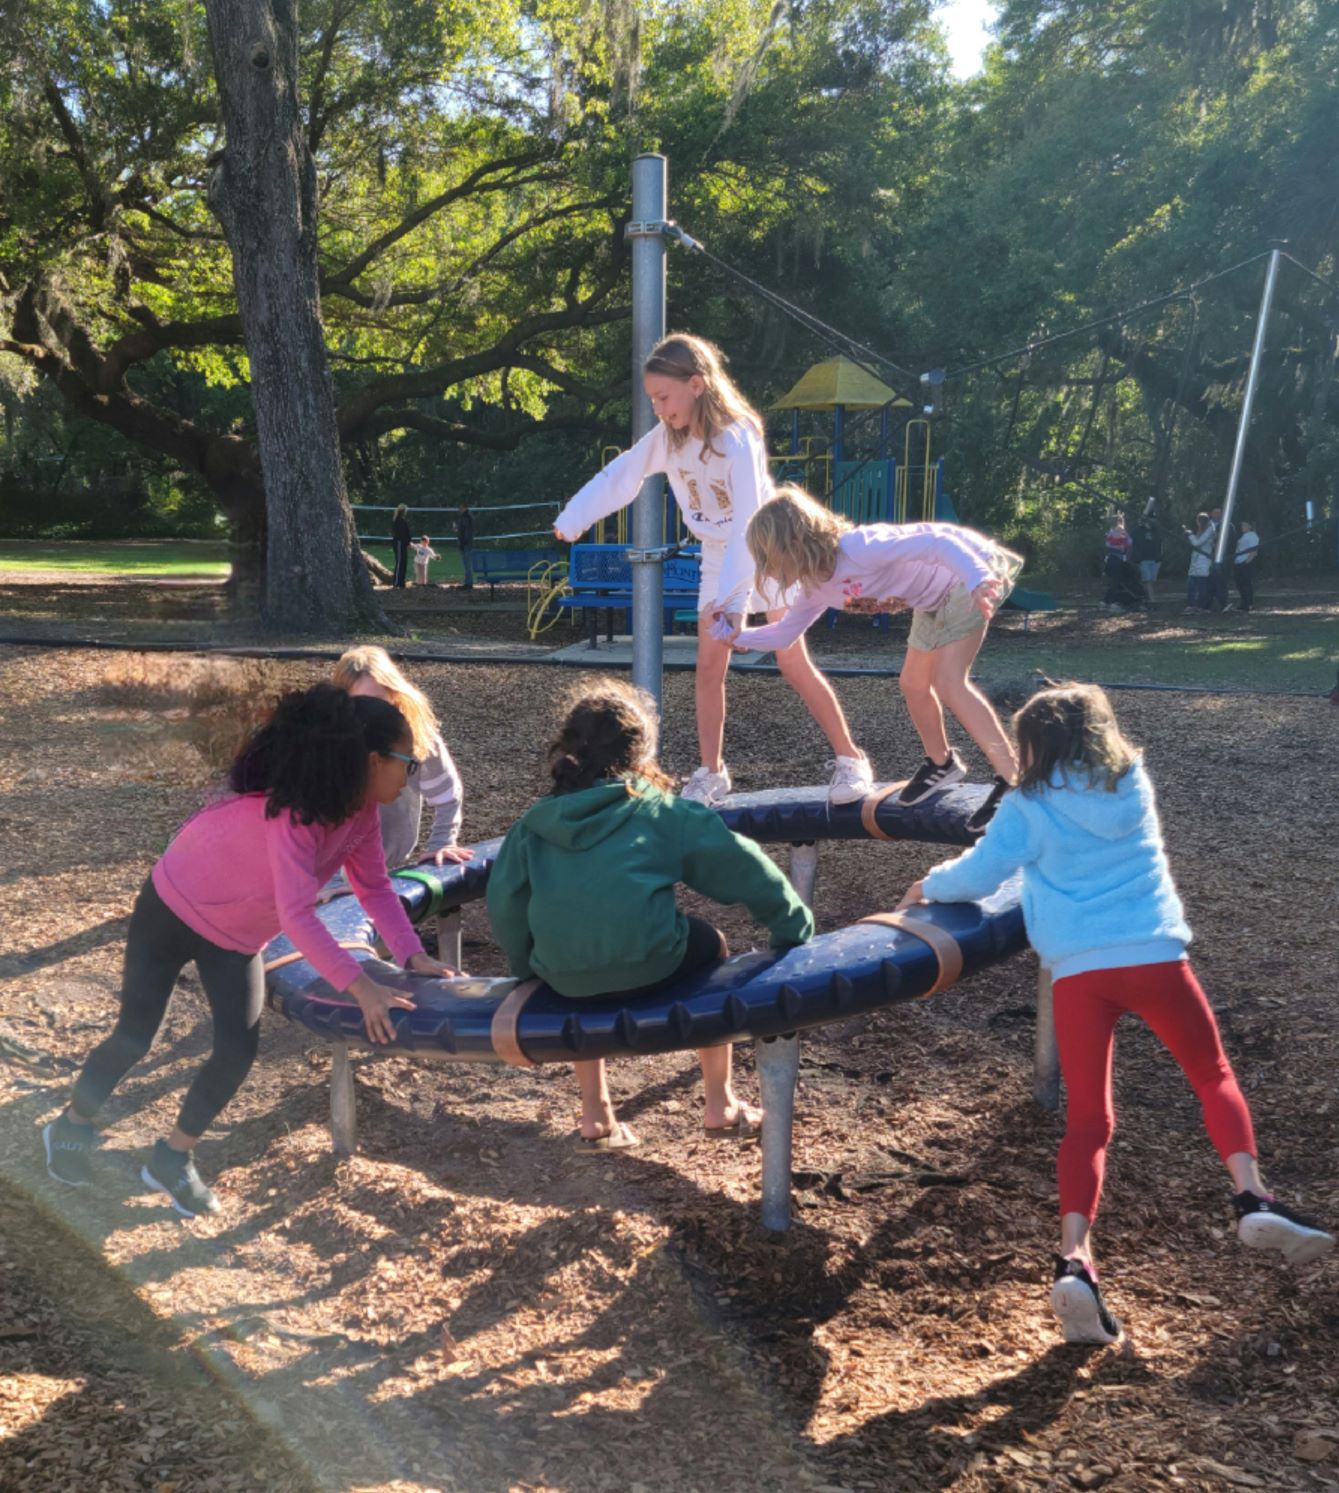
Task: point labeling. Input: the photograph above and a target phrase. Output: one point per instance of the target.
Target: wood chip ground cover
(470, 1304)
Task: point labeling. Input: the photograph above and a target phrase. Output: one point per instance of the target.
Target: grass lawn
(140, 557)
(162, 557)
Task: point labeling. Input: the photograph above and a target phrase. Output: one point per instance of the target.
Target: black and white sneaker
(976, 825)
(930, 777)
(1078, 1303)
(173, 1173)
(1264, 1223)
(69, 1151)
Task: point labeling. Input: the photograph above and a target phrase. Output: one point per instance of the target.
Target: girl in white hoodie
(709, 444)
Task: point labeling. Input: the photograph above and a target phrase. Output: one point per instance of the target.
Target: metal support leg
(1045, 1055)
(448, 938)
(343, 1108)
(778, 1066)
(804, 871)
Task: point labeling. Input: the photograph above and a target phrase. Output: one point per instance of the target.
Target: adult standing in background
(1218, 595)
(1146, 550)
(465, 539)
(401, 535)
(1201, 564)
(1243, 565)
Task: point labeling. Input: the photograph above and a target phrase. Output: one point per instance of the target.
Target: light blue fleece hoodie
(1097, 891)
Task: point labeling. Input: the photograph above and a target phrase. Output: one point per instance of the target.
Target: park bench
(599, 577)
(495, 566)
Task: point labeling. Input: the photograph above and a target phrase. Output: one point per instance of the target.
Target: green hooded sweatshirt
(582, 891)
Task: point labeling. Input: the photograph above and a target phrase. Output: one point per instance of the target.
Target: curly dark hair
(310, 756)
(609, 730)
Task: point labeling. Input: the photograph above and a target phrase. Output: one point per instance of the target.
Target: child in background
(582, 892)
(1103, 915)
(369, 671)
(305, 793)
(953, 580)
(424, 554)
(1117, 540)
(708, 441)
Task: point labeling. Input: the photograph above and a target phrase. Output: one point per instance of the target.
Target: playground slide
(1020, 600)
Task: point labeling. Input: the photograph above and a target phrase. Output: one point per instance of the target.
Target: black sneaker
(173, 1172)
(69, 1151)
(1078, 1303)
(1263, 1223)
(930, 777)
(977, 823)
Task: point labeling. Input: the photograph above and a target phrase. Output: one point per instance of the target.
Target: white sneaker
(852, 779)
(707, 787)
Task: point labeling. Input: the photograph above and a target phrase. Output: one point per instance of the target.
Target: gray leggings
(158, 947)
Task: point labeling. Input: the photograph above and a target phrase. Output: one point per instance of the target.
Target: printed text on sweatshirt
(717, 492)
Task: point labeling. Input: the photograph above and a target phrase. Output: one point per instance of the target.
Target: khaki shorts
(958, 616)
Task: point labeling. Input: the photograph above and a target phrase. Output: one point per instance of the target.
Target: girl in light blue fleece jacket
(1103, 915)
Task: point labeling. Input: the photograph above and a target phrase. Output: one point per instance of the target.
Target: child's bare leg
(917, 683)
(722, 1107)
(798, 670)
(713, 662)
(1075, 1237)
(952, 665)
(1245, 1173)
(597, 1109)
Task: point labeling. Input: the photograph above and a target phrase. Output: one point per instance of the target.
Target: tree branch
(425, 383)
(384, 421)
(476, 181)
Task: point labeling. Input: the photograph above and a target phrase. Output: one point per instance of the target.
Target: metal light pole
(649, 202)
(1247, 406)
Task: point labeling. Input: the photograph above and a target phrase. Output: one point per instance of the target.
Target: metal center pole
(1247, 407)
(649, 204)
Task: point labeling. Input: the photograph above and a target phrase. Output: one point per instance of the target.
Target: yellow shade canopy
(839, 381)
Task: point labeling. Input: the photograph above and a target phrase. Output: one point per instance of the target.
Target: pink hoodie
(885, 568)
(238, 879)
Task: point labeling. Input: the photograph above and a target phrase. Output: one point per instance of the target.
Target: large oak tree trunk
(263, 190)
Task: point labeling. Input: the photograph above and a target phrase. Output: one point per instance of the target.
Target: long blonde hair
(682, 356)
(1071, 728)
(793, 539)
(376, 664)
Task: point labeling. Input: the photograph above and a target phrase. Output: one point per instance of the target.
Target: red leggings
(1168, 997)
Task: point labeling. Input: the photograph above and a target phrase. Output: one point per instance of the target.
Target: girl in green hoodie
(582, 892)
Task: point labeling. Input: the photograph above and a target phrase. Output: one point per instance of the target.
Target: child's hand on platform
(913, 896)
(565, 538)
(986, 595)
(453, 855)
(376, 1003)
(425, 964)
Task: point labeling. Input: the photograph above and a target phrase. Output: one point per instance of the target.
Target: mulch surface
(470, 1304)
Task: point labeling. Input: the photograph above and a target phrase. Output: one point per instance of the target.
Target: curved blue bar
(853, 970)
(779, 816)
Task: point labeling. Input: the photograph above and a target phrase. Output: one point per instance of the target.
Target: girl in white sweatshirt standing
(709, 445)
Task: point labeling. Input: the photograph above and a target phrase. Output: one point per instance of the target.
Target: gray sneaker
(173, 1173)
(69, 1151)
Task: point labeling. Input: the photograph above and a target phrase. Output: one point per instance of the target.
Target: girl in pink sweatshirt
(953, 580)
(306, 789)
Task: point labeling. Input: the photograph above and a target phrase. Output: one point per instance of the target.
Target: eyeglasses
(413, 763)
